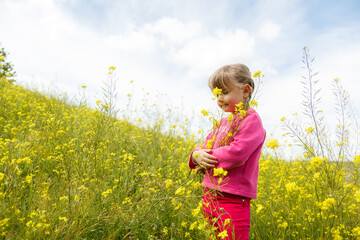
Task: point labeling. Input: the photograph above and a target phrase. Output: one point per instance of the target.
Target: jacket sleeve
(192, 165)
(249, 137)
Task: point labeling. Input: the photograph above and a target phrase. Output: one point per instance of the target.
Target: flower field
(72, 172)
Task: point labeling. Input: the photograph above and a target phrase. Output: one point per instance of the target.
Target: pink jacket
(240, 158)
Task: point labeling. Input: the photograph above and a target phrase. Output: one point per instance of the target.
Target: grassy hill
(71, 172)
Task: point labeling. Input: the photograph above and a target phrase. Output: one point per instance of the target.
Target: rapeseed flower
(83, 153)
(28, 178)
(357, 196)
(257, 74)
(356, 231)
(204, 112)
(193, 225)
(63, 198)
(327, 203)
(227, 221)
(259, 208)
(223, 234)
(168, 183)
(273, 143)
(217, 91)
(220, 172)
(253, 103)
(283, 225)
(209, 143)
(180, 191)
(63, 219)
(357, 160)
(291, 186)
(309, 130)
(106, 193)
(230, 118)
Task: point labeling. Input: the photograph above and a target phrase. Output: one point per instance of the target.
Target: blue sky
(172, 47)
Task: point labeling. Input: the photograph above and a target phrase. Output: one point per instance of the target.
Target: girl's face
(236, 94)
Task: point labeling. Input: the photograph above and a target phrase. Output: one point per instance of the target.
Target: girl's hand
(200, 170)
(204, 159)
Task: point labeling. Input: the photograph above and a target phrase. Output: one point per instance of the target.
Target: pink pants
(220, 206)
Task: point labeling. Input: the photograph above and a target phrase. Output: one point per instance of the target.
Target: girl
(232, 148)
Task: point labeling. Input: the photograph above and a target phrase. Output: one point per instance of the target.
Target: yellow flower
(2, 58)
(193, 225)
(253, 103)
(316, 161)
(63, 219)
(272, 144)
(357, 160)
(106, 193)
(178, 206)
(227, 221)
(283, 225)
(216, 123)
(220, 172)
(259, 208)
(180, 191)
(83, 86)
(231, 116)
(30, 223)
(127, 200)
(63, 198)
(2, 176)
(204, 112)
(112, 68)
(217, 91)
(291, 186)
(257, 74)
(209, 144)
(239, 106)
(239, 109)
(242, 112)
(357, 196)
(28, 178)
(223, 234)
(309, 130)
(4, 222)
(356, 231)
(168, 183)
(327, 203)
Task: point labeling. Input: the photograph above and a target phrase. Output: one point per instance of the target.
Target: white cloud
(203, 55)
(174, 30)
(174, 55)
(269, 30)
(132, 42)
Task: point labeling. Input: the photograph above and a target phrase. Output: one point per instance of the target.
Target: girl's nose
(220, 99)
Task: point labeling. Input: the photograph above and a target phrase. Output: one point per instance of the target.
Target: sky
(170, 48)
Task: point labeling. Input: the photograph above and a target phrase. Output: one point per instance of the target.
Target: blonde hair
(229, 75)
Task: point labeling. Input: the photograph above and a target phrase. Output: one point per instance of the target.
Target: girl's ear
(247, 90)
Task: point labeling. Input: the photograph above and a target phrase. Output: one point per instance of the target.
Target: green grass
(71, 172)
